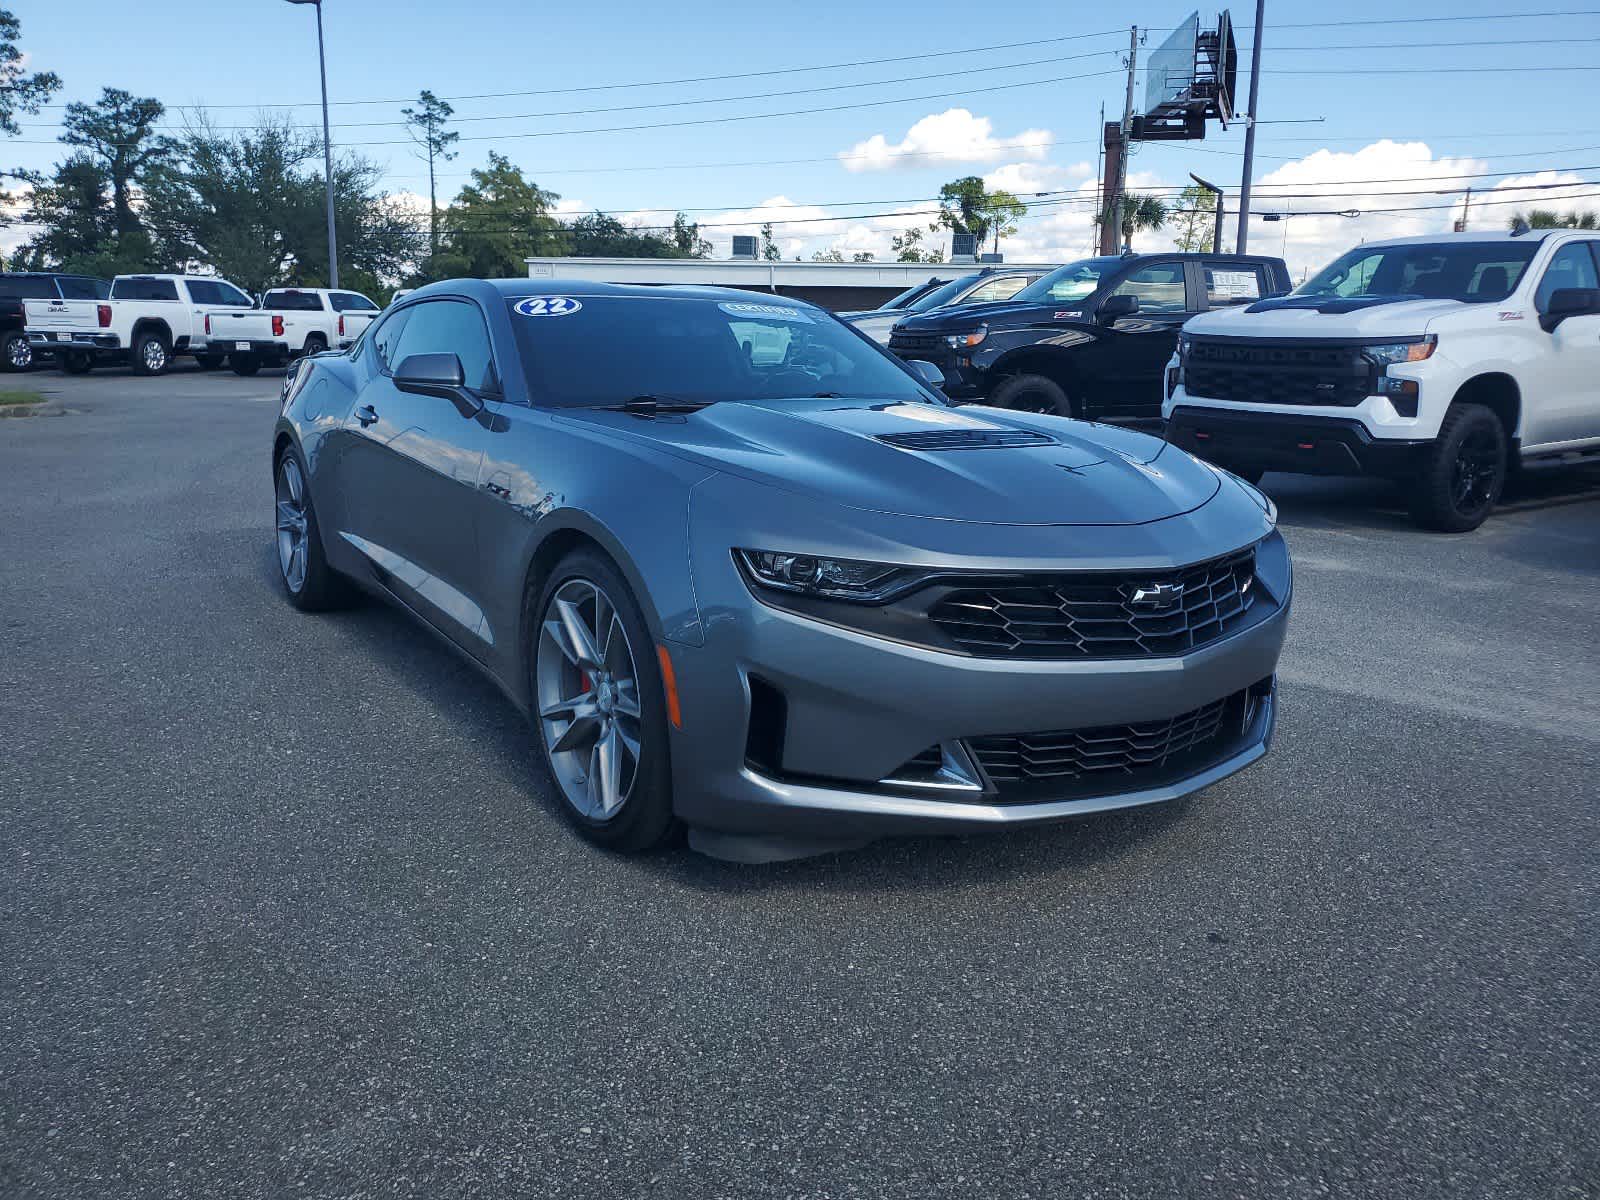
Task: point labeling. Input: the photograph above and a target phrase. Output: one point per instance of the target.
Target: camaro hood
(939, 463)
(1317, 317)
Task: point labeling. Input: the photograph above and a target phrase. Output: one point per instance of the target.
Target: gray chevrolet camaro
(750, 575)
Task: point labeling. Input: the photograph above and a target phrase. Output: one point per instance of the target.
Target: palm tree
(1549, 218)
(1139, 213)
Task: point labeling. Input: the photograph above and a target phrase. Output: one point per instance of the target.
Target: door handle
(366, 414)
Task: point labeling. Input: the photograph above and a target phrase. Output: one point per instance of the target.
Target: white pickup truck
(1443, 362)
(148, 321)
(291, 321)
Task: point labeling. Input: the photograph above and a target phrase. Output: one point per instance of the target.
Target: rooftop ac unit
(963, 247)
(746, 246)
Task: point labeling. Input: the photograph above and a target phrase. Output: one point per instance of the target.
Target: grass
(9, 396)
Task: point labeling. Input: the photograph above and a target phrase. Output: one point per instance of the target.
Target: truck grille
(1101, 614)
(916, 345)
(1271, 372)
(1111, 758)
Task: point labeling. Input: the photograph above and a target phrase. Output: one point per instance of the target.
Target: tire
(315, 344)
(1032, 393)
(590, 701)
(78, 363)
(16, 354)
(151, 354)
(309, 583)
(244, 364)
(210, 362)
(1461, 474)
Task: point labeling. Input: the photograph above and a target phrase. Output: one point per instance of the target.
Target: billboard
(1169, 71)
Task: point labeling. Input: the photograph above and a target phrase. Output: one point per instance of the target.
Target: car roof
(1533, 236)
(516, 289)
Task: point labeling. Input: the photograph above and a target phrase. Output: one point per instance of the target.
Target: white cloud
(1022, 179)
(955, 135)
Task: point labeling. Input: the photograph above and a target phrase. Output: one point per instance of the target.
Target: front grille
(916, 345)
(1111, 758)
(967, 439)
(1102, 614)
(1266, 372)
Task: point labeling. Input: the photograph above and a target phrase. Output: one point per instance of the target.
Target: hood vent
(967, 439)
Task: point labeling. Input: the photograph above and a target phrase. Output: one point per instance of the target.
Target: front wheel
(598, 705)
(1032, 393)
(16, 355)
(308, 581)
(244, 364)
(79, 362)
(1461, 472)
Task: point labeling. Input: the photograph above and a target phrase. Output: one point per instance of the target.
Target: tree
(686, 239)
(425, 124)
(19, 91)
(1003, 211)
(1548, 218)
(769, 248)
(1139, 213)
(863, 256)
(74, 212)
(1196, 219)
(828, 256)
(499, 219)
(907, 247)
(119, 132)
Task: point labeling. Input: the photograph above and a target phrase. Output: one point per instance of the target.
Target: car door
(1567, 408)
(410, 467)
(1124, 368)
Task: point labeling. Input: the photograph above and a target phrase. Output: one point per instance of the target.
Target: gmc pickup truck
(1089, 339)
(1442, 362)
(290, 322)
(147, 321)
(47, 287)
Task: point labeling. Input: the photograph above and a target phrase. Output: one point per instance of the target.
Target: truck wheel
(16, 355)
(316, 344)
(1462, 472)
(210, 362)
(1032, 393)
(77, 363)
(244, 364)
(151, 355)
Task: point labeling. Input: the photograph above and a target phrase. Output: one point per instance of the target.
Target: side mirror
(1569, 302)
(926, 371)
(437, 375)
(1114, 308)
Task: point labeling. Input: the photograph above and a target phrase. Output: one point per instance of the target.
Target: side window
(351, 302)
(450, 327)
(386, 337)
(202, 291)
(1227, 285)
(140, 287)
(228, 294)
(1572, 267)
(1002, 288)
(1158, 285)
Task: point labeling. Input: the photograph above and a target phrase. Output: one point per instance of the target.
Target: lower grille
(1102, 615)
(1306, 373)
(915, 345)
(1112, 758)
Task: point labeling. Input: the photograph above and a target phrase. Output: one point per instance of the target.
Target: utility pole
(1127, 129)
(1250, 131)
(1099, 172)
(1466, 205)
(327, 150)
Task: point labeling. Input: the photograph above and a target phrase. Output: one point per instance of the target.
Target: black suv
(15, 353)
(1090, 339)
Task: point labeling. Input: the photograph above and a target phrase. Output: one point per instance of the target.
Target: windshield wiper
(649, 406)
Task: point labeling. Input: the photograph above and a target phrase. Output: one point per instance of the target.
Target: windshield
(904, 298)
(1071, 282)
(1476, 272)
(601, 350)
(941, 296)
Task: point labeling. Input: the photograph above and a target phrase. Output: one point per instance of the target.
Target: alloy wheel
(1474, 473)
(19, 354)
(155, 355)
(292, 523)
(587, 691)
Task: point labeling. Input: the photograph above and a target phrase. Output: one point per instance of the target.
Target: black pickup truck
(15, 287)
(1090, 339)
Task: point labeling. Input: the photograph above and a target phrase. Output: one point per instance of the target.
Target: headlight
(963, 341)
(1401, 352)
(1183, 348)
(836, 578)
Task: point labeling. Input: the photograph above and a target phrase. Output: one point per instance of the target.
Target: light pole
(1216, 228)
(327, 150)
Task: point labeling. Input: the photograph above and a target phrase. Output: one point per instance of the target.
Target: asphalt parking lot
(282, 912)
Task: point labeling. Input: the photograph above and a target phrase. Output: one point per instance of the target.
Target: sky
(1364, 106)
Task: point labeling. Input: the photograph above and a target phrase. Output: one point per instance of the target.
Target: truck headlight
(816, 575)
(965, 341)
(1401, 352)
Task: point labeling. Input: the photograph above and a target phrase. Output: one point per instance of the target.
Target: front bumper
(856, 708)
(1310, 445)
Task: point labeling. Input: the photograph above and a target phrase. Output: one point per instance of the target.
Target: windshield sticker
(770, 312)
(548, 306)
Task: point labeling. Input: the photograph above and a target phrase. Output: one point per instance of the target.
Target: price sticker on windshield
(548, 306)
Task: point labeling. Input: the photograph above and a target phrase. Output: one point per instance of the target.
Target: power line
(1574, 12)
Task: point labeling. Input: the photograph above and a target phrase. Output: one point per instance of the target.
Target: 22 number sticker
(548, 306)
